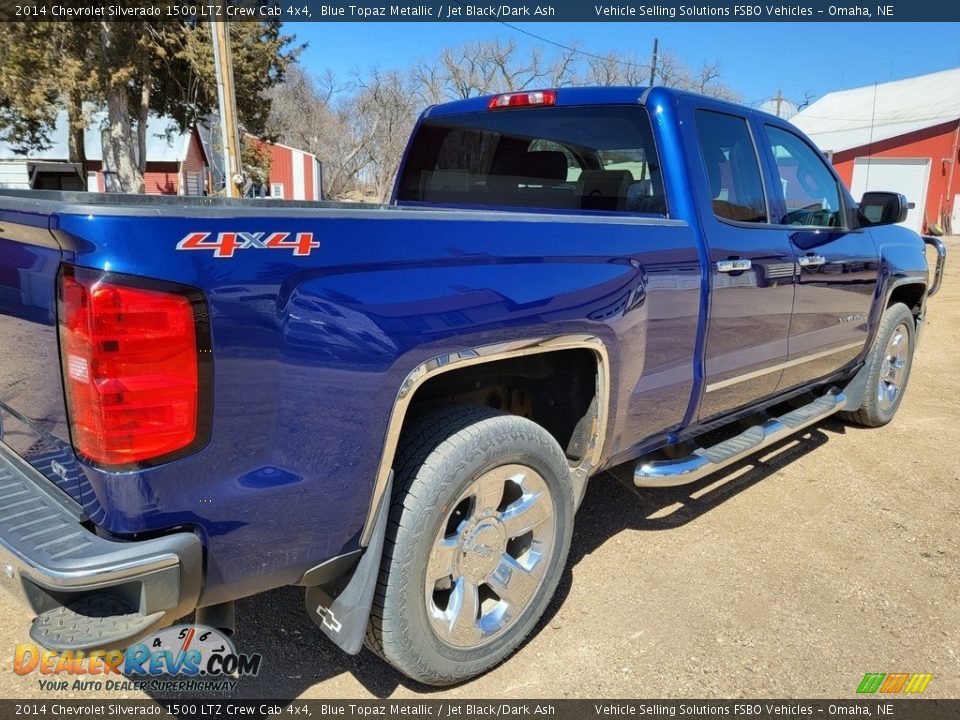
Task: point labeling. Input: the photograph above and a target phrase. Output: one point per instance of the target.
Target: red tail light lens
(134, 367)
(535, 98)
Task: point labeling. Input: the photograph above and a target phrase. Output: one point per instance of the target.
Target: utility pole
(653, 63)
(779, 99)
(229, 133)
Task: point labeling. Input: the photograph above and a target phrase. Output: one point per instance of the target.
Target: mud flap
(342, 609)
(856, 388)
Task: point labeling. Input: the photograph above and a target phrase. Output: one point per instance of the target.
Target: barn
(176, 162)
(294, 174)
(898, 136)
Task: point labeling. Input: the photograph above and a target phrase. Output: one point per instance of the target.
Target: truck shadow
(296, 656)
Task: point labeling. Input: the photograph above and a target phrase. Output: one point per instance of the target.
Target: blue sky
(758, 58)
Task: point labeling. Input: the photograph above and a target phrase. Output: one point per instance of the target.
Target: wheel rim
(893, 367)
(490, 556)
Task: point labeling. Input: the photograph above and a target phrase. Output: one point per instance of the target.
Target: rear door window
(576, 158)
(733, 169)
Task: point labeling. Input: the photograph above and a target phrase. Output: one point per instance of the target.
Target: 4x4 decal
(227, 243)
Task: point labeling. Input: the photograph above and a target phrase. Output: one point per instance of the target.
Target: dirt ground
(829, 556)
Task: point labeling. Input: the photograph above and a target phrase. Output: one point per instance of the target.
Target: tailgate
(33, 421)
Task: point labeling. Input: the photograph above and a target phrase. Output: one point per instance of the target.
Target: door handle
(812, 260)
(738, 265)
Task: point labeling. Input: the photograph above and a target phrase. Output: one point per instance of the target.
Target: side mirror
(884, 208)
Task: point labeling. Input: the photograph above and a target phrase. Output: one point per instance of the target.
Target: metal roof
(165, 143)
(853, 118)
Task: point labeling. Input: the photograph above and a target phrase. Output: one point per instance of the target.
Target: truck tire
(888, 366)
(476, 543)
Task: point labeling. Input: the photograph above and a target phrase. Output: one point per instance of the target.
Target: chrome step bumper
(703, 461)
(87, 591)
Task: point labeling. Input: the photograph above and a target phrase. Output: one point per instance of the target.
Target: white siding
(299, 185)
(14, 176)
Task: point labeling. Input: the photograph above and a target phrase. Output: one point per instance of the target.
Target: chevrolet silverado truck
(398, 407)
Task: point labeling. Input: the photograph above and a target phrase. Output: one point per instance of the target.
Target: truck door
(837, 267)
(751, 262)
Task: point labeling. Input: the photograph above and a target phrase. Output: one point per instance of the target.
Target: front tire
(888, 366)
(477, 541)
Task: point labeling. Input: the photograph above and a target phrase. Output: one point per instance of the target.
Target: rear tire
(888, 364)
(477, 541)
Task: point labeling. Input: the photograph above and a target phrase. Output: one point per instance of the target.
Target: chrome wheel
(490, 556)
(893, 367)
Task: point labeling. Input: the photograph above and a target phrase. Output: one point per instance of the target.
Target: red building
(294, 174)
(176, 163)
(175, 166)
(901, 136)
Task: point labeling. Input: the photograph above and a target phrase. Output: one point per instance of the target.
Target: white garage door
(907, 176)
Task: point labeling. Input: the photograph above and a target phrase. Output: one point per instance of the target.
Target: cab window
(733, 170)
(589, 158)
(808, 190)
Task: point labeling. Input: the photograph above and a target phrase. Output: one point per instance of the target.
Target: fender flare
(478, 356)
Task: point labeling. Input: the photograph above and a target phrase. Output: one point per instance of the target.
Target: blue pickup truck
(398, 407)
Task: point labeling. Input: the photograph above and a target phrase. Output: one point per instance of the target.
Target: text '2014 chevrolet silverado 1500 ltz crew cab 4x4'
(398, 407)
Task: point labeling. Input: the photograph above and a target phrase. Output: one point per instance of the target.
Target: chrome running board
(703, 461)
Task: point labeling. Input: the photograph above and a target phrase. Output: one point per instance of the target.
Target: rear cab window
(585, 158)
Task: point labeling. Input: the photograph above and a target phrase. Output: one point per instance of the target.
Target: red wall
(936, 143)
(281, 169)
(159, 179)
(95, 166)
(162, 178)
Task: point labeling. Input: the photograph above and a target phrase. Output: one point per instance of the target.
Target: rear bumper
(87, 591)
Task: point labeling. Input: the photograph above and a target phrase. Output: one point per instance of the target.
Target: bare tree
(707, 79)
(614, 69)
(359, 128)
(315, 115)
(385, 113)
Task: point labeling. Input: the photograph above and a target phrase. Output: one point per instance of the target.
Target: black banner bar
(478, 11)
(877, 707)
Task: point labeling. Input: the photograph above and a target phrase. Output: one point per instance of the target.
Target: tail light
(535, 98)
(136, 368)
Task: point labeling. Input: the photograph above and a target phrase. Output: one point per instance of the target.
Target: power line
(568, 48)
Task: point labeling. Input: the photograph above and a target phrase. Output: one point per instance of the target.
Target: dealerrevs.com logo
(194, 657)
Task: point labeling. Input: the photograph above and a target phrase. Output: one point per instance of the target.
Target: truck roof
(567, 96)
(570, 96)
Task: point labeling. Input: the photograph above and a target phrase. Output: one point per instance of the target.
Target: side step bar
(703, 461)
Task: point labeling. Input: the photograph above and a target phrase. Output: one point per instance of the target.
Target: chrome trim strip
(485, 354)
(941, 261)
(780, 366)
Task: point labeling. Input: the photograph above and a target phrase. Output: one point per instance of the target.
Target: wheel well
(557, 390)
(910, 295)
